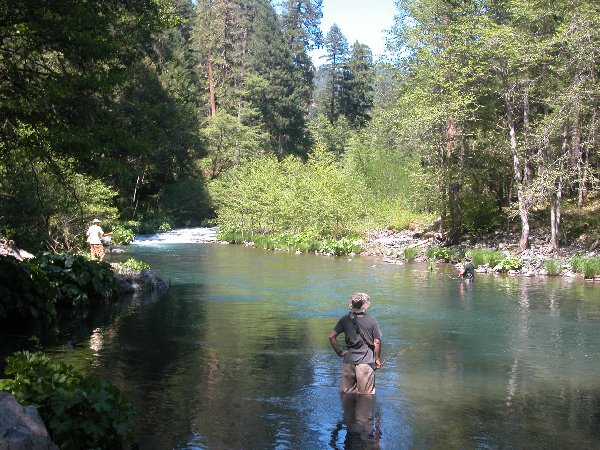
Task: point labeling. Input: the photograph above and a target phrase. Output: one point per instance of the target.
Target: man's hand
(377, 363)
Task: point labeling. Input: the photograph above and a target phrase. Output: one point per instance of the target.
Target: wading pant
(97, 251)
(357, 379)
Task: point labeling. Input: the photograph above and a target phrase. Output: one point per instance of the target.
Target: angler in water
(362, 337)
(468, 271)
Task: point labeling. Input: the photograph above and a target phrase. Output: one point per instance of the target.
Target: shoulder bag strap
(359, 331)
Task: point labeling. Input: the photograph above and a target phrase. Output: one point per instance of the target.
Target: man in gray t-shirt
(363, 343)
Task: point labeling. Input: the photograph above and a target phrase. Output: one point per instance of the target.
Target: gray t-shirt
(359, 351)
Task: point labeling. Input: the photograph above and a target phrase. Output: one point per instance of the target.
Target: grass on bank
(589, 266)
(553, 267)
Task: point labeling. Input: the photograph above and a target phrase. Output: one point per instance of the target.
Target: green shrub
(267, 196)
(480, 212)
(304, 242)
(510, 262)
(341, 246)
(134, 264)
(487, 256)
(410, 253)
(552, 266)
(26, 291)
(165, 226)
(78, 280)
(122, 235)
(589, 266)
(439, 253)
(81, 412)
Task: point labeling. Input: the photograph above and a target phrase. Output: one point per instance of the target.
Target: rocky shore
(390, 245)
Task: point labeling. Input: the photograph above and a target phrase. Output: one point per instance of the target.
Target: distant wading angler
(94, 239)
(468, 272)
(362, 337)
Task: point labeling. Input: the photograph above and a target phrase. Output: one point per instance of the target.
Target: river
(235, 354)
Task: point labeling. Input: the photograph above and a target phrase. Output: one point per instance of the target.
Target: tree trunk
(555, 199)
(136, 196)
(527, 166)
(523, 211)
(211, 87)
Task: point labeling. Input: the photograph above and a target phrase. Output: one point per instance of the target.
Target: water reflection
(361, 422)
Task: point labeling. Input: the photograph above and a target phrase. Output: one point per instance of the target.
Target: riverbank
(391, 247)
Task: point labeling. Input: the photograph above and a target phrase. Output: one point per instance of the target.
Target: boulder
(21, 427)
(142, 281)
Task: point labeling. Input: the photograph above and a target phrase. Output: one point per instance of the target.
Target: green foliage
(342, 246)
(134, 264)
(494, 258)
(26, 291)
(303, 242)
(228, 142)
(79, 281)
(122, 235)
(185, 203)
(589, 266)
(552, 266)
(333, 137)
(265, 196)
(482, 256)
(165, 226)
(439, 253)
(51, 209)
(80, 411)
(411, 252)
(480, 212)
(510, 262)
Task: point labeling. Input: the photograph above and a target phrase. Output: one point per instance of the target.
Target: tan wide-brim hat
(359, 302)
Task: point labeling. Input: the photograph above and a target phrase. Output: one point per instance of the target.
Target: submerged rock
(22, 427)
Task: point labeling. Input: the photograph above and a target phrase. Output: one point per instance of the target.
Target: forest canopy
(180, 112)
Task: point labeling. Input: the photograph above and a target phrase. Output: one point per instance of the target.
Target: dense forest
(166, 113)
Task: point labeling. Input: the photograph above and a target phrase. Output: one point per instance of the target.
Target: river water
(235, 354)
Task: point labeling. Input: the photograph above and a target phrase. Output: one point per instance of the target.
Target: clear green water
(235, 355)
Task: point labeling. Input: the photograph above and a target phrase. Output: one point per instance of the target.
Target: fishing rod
(403, 350)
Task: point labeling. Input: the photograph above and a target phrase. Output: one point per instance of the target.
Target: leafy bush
(587, 265)
(165, 226)
(79, 411)
(185, 202)
(510, 262)
(265, 196)
(79, 281)
(552, 266)
(410, 253)
(482, 256)
(341, 246)
(25, 291)
(480, 213)
(304, 242)
(441, 253)
(134, 264)
(122, 235)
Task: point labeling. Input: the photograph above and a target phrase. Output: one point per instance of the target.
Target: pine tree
(337, 56)
(358, 79)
